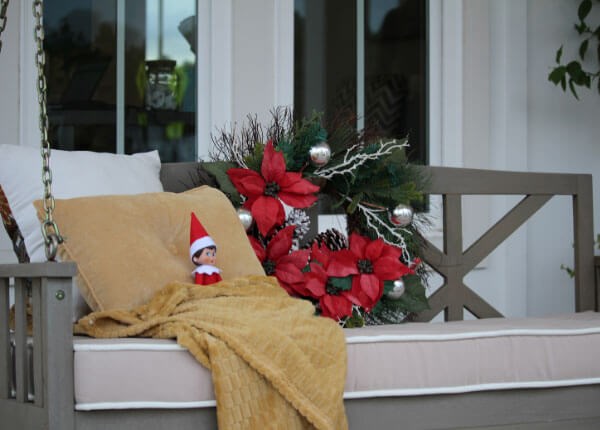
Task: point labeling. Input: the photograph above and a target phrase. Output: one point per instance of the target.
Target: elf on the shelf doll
(203, 252)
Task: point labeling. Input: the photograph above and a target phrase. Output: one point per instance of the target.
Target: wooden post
(5, 366)
(586, 298)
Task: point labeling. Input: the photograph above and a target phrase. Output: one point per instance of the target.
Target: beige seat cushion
(396, 360)
(129, 247)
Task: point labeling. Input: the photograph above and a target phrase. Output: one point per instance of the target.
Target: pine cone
(332, 239)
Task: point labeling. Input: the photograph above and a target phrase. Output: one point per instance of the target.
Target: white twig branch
(355, 309)
(375, 222)
(238, 154)
(352, 160)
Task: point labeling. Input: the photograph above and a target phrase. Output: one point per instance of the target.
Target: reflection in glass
(395, 61)
(160, 70)
(80, 70)
(325, 57)
(394, 45)
(159, 90)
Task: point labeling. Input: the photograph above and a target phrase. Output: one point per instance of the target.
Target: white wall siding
(9, 100)
(564, 136)
(532, 126)
(253, 58)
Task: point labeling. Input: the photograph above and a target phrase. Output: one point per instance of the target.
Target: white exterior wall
(492, 107)
(9, 99)
(564, 134)
(494, 128)
(515, 119)
(262, 57)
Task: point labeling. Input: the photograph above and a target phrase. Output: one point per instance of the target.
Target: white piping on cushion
(144, 405)
(353, 394)
(471, 335)
(77, 347)
(359, 339)
(469, 388)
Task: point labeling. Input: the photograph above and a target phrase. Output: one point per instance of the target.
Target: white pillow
(74, 174)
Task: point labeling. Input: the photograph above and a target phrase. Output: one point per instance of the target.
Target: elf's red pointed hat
(199, 238)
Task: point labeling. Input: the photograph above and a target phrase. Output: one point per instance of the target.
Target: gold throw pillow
(128, 247)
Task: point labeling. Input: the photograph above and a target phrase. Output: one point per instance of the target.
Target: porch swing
(486, 373)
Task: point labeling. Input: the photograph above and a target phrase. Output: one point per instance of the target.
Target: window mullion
(120, 108)
(360, 64)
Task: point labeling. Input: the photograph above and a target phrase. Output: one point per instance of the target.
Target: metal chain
(52, 237)
(3, 9)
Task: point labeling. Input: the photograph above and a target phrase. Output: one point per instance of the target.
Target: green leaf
(563, 83)
(580, 28)
(403, 193)
(574, 68)
(254, 160)
(584, 9)
(355, 201)
(583, 49)
(354, 321)
(218, 169)
(569, 271)
(578, 76)
(572, 87)
(414, 297)
(344, 284)
(557, 74)
(559, 54)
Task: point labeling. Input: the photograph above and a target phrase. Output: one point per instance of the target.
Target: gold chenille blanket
(274, 364)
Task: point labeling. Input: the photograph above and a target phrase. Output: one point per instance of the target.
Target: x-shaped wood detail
(453, 264)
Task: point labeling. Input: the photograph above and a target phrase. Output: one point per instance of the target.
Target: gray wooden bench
(51, 370)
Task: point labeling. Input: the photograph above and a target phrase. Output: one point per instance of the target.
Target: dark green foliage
(296, 147)
(218, 171)
(575, 73)
(254, 159)
(414, 300)
(341, 284)
(375, 184)
(354, 321)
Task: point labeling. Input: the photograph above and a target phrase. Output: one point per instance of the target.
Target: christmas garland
(274, 173)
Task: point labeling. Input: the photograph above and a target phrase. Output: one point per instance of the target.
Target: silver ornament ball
(320, 154)
(245, 218)
(398, 290)
(402, 215)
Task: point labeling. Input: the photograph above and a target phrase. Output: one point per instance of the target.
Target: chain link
(52, 236)
(3, 9)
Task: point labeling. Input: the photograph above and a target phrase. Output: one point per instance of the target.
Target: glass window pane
(160, 76)
(159, 89)
(395, 71)
(325, 57)
(80, 69)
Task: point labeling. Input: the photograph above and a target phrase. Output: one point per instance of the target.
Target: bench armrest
(47, 288)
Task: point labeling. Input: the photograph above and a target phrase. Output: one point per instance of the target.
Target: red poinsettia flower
(370, 263)
(264, 190)
(334, 302)
(277, 260)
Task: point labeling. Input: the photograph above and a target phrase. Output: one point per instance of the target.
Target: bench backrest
(454, 263)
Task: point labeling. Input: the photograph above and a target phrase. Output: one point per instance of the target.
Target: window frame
(215, 44)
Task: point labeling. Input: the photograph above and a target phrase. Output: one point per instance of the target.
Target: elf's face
(207, 256)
